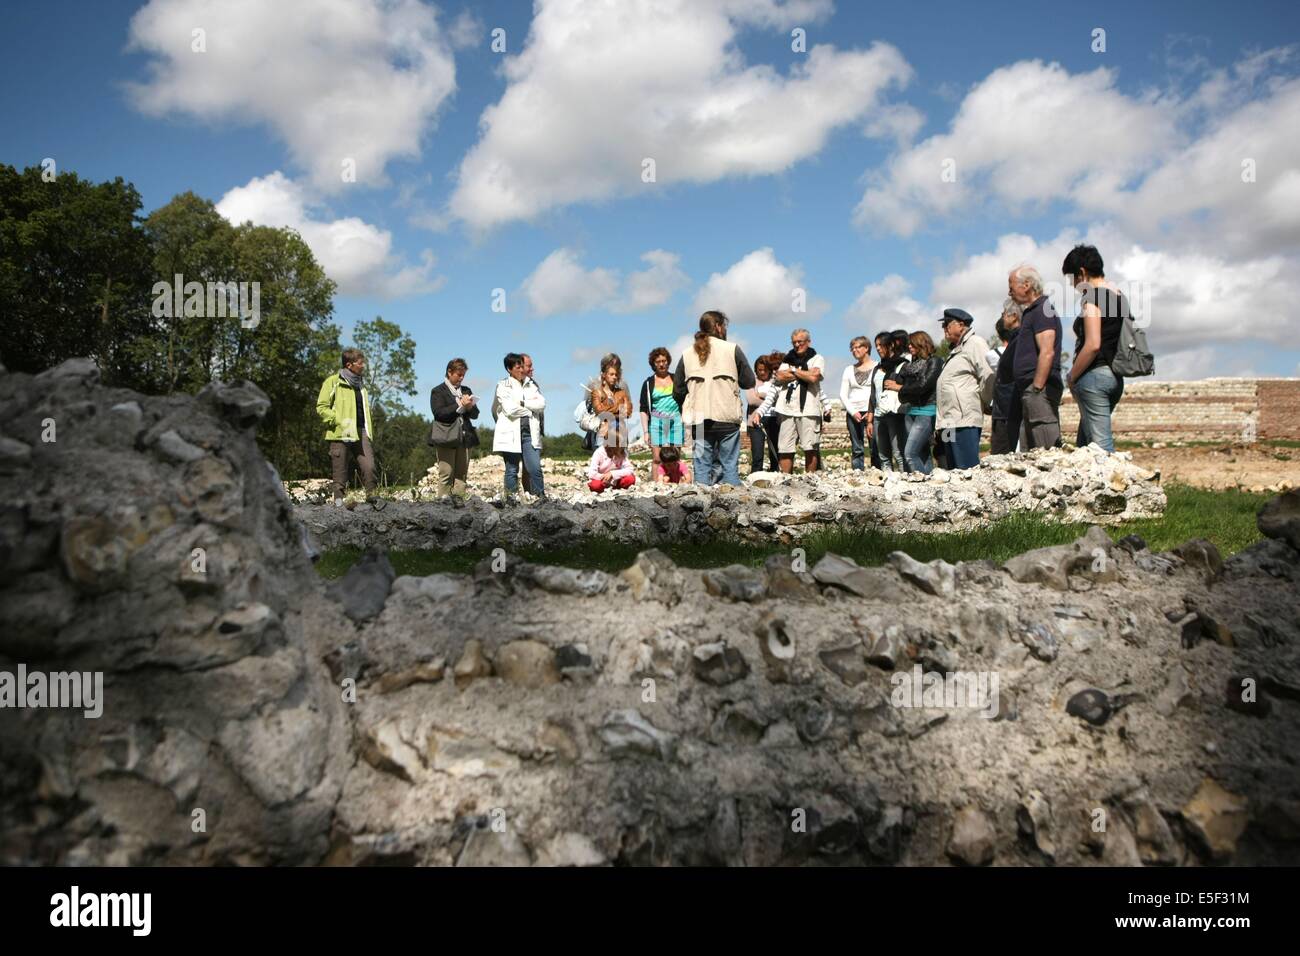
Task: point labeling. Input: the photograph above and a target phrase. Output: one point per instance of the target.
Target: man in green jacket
(344, 407)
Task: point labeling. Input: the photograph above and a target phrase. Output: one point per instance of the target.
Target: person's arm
(1046, 340)
(1091, 341)
(627, 468)
(679, 383)
(645, 408)
(593, 467)
(812, 375)
(444, 406)
(844, 388)
(509, 402)
(744, 371)
(533, 399)
(325, 403)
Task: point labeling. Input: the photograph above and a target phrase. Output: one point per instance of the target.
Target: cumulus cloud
(760, 290)
(560, 284)
(885, 305)
(1017, 138)
(335, 79)
(354, 253)
(1187, 300)
(599, 87)
(1215, 165)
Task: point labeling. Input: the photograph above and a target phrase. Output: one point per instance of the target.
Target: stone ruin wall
(541, 715)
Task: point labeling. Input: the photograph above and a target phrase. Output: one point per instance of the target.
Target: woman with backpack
(1096, 387)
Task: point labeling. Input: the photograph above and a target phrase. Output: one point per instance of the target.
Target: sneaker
(379, 504)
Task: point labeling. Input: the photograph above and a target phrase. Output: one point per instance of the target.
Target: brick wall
(1213, 409)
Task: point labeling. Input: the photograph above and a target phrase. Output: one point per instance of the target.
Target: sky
(604, 172)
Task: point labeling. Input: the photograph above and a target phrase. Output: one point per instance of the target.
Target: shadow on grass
(1226, 518)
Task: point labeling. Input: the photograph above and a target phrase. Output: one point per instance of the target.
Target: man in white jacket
(517, 408)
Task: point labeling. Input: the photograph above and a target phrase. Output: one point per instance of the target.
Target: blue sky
(775, 169)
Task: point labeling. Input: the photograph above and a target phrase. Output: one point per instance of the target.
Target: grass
(1225, 517)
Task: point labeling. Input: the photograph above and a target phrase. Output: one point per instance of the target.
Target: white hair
(1030, 276)
(1012, 307)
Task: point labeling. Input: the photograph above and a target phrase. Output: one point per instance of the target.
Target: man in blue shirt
(1036, 399)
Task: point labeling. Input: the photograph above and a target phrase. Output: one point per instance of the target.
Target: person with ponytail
(707, 385)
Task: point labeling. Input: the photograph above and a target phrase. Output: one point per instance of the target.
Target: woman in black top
(452, 434)
(1102, 310)
(916, 383)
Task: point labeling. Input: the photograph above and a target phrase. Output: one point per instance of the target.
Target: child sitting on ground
(610, 468)
(671, 469)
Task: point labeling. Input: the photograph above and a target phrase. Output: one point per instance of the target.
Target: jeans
(1097, 392)
(759, 440)
(920, 436)
(717, 454)
(891, 433)
(858, 438)
(963, 447)
(532, 460)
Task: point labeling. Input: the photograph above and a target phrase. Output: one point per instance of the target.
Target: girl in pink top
(670, 469)
(610, 468)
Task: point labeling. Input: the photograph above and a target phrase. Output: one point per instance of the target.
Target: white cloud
(885, 305)
(354, 253)
(601, 86)
(1018, 137)
(1186, 299)
(759, 290)
(1169, 169)
(335, 79)
(656, 285)
(560, 284)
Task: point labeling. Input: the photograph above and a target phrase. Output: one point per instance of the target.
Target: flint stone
(936, 577)
(974, 839)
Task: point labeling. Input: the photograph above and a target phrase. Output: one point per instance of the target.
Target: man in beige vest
(707, 386)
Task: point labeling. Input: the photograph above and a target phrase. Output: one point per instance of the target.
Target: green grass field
(1225, 517)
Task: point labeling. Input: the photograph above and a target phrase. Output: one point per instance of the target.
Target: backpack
(1132, 356)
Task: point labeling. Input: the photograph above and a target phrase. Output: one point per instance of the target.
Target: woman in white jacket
(855, 396)
(517, 436)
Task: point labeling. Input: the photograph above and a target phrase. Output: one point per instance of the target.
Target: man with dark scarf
(799, 404)
(344, 408)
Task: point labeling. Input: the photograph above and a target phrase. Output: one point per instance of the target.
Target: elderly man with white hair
(1036, 397)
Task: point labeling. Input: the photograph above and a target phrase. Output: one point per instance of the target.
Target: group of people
(913, 406)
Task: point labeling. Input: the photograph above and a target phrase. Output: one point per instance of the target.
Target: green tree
(390, 363)
(75, 275)
(192, 240)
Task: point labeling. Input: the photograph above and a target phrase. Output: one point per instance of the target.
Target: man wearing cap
(959, 414)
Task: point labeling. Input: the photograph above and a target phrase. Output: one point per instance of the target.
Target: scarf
(799, 361)
(351, 377)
